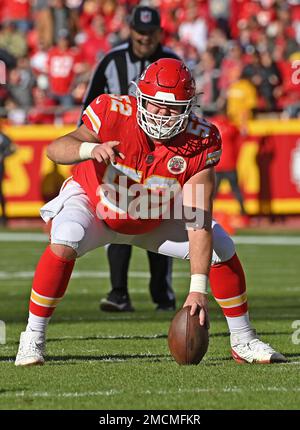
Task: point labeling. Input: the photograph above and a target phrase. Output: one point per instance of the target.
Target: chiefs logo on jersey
(176, 165)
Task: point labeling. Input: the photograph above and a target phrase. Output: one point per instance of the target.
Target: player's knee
(68, 233)
(63, 251)
(224, 249)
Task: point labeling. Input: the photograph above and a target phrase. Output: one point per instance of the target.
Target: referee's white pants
(75, 224)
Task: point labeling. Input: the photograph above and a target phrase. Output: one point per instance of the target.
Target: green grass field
(106, 361)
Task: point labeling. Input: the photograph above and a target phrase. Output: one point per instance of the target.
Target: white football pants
(74, 223)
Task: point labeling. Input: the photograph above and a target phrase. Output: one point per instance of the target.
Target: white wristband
(198, 284)
(85, 150)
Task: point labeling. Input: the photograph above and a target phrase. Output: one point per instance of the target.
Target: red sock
(50, 282)
(228, 285)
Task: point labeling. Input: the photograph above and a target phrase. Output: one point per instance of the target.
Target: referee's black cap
(144, 18)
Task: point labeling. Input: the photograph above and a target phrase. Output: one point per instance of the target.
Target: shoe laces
(258, 345)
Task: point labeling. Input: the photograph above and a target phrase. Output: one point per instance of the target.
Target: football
(187, 339)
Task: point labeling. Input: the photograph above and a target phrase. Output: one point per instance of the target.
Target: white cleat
(31, 349)
(254, 351)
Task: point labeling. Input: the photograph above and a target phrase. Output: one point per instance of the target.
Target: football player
(130, 147)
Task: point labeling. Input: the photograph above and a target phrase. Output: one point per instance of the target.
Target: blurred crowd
(245, 54)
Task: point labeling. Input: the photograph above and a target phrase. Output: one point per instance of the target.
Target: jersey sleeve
(94, 115)
(214, 149)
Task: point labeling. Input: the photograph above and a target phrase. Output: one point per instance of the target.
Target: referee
(114, 74)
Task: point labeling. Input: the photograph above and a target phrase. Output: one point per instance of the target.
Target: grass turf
(100, 360)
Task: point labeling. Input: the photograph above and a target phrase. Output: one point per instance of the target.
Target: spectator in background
(193, 29)
(39, 59)
(226, 169)
(61, 19)
(20, 84)
(17, 12)
(220, 11)
(12, 40)
(63, 62)
(170, 23)
(90, 8)
(207, 77)
(43, 23)
(217, 44)
(6, 149)
(231, 67)
(241, 102)
(53, 17)
(264, 75)
(97, 42)
(113, 75)
(43, 109)
(289, 99)
(120, 28)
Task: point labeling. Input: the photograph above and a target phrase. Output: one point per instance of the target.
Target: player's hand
(198, 300)
(107, 152)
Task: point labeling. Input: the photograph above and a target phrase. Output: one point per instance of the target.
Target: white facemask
(159, 126)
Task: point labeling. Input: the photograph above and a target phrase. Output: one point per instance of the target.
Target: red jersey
(94, 48)
(230, 143)
(15, 10)
(150, 165)
(61, 69)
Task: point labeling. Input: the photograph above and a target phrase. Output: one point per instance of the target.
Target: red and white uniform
(156, 166)
(75, 222)
(61, 65)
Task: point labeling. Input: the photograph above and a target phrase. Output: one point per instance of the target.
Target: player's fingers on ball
(202, 315)
(120, 154)
(193, 309)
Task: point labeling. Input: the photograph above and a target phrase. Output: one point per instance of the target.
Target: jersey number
(121, 104)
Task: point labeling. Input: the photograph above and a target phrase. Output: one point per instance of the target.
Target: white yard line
(23, 237)
(241, 240)
(84, 274)
(113, 392)
(267, 240)
(102, 337)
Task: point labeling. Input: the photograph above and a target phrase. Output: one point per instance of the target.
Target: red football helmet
(166, 82)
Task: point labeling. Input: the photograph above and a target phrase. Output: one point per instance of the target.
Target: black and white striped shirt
(114, 73)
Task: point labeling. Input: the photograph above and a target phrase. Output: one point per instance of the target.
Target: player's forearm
(200, 259)
(200, 251)
(66, 150)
